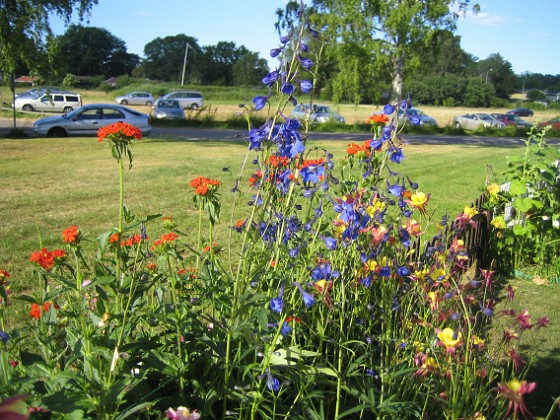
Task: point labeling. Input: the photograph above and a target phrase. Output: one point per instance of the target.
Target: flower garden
(317, 307)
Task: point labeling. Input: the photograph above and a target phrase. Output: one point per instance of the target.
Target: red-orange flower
(70, 234)
(133, 240)
(119, 132)
(46, 258)
(353, 148)
(202, 185)
(36, 311)
(377, 119)
(165, 239)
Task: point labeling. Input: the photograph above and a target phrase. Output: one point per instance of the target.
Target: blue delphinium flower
(388, 109)
(395, 189)
(272, 383)
(277, 304)
(306, 86)
(259, 102)
(324, 271)
(271, 78)
(306, 63)
(414, 119)
(331, 243)
(312, 173)
(4, 336)
(397, 155)
(275, 52)
(366, 282)
(308, 299)
(287, 88)
(286, 329)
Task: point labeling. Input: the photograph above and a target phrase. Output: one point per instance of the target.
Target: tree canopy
(24, 24)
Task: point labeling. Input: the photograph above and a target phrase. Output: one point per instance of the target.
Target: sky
(526, 33)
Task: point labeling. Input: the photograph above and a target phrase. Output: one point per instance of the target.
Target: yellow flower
(498, 222)
(470, 212)
(493, 189)
(449, 338)
(372, 265)
(419, 200)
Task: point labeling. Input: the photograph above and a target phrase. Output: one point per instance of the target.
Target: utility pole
(187, 46)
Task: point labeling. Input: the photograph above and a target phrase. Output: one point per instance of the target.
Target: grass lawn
(50, 184)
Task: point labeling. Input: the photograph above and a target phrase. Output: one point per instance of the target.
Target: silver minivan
(135, 98)
(49, 102)
(187, 99)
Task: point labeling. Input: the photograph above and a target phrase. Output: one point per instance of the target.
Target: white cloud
(487, 19)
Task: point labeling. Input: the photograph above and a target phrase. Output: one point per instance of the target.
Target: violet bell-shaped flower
(308, 299)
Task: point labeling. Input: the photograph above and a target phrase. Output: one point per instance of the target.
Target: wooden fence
(475, 238)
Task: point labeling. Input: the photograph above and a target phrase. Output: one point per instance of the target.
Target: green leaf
(517, 188)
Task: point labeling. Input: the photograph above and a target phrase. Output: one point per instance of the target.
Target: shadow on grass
(545, 371)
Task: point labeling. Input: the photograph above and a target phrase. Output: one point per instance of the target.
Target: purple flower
(259, 102)
(303, 47)
(308, 299)
(388, 109)
(277, 304)
(330, 243)
(271, 78)
(286, 329)
(287, 88)
(397, 155)
(414, 119)
(306, 86)
(396, 189)
(366, 282)
(306, 63)
(4, 336)
(272, 383)
(275, 52)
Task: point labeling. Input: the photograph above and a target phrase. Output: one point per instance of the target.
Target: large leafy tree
(165, 57)
(249, 70)
(393, 31)
(215, 67)
(90, 51)
(497, 71)
(24, 25)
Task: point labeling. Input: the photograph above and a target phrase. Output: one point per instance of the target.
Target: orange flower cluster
(46, 258)
(119, 131)
(36, 309)
(165, 238)
(131, 241)
(377, 119)
(70, 235)
(311, 162)
(365, 147)
(276, 161)
(202, 185)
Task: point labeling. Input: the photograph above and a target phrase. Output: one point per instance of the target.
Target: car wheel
(194, 106)
(56, 132)
(149, 103)
(124, 102)
(27, 108)
(67, 109)
(458, 125)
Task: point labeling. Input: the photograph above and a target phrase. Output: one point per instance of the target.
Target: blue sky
(525, 32)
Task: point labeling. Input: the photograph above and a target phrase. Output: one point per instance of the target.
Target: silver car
(88, 119)
(316, 114)
(187, 99)
(135, 98)
(49, 102)
(476, 121)
(169, 108)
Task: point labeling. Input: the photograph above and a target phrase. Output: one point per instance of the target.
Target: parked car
(36, 92)
(476, 121)
(169, 108)
(414, 113)
(135, 98)
(522, 112)
(512, 119)
(88, 119)
(187, 99)
(49, 102)
(554, 122)
(317, 114)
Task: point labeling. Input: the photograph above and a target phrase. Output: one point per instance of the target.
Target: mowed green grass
(50, 184)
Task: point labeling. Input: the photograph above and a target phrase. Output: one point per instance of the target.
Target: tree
(393, 30)
(249, 70)
(23, 26)
(215, 66)
(165, 57)
(24, 23)
(89, 51)
(498, 72)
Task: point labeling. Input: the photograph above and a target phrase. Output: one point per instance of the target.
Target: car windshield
(323, 110)
(485, 117)
(169, 104)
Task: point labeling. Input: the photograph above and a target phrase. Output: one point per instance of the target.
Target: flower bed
(315, 310)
